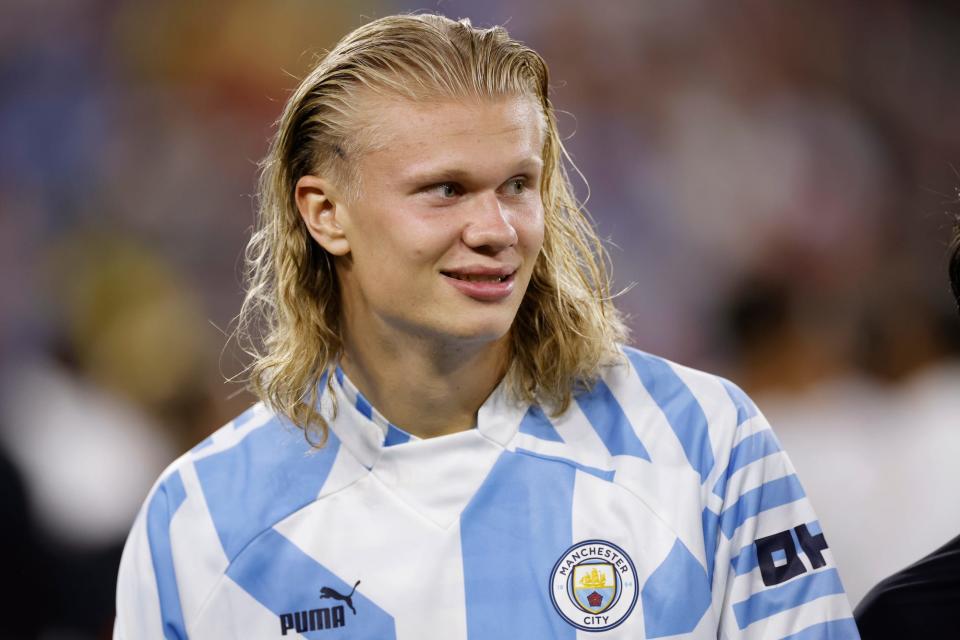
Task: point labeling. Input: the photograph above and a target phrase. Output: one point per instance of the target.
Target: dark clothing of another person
(921, 601)
(51, 590)
(20, 608)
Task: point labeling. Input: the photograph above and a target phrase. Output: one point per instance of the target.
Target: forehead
(407, 136)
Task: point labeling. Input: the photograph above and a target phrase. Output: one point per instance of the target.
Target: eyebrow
(456, 174)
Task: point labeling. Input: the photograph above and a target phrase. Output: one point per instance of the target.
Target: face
(441, 241)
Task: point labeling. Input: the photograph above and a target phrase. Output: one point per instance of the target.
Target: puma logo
(327, 592)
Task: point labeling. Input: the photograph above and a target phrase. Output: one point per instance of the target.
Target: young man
(486, 460)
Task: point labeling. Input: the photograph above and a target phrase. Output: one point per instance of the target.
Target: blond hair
(566, 328)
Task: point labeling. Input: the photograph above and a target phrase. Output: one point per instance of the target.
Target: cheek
(428, 239)
(530, 230)
(404, 252)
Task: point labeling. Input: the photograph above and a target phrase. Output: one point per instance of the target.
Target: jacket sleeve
(773, 564)
(148, 600)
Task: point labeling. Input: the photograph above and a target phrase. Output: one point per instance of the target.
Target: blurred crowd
(777, 182)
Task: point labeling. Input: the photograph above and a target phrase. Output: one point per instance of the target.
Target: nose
(489, 226)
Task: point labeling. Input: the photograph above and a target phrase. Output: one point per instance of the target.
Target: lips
(484, 285)
(467, 277)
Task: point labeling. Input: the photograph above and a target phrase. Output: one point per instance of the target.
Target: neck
(425, 388)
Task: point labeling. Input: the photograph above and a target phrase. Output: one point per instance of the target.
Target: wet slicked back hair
(566, 328)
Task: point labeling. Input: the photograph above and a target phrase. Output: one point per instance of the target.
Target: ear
(323, 211)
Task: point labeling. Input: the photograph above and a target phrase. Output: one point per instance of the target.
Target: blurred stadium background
(777, 179)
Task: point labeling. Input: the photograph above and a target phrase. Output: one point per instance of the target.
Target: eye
(516, 186)
(446, 190)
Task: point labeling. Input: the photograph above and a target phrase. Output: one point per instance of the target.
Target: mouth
(468, 277)
(485, 286)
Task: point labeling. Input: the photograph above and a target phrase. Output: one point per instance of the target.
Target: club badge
(594, 585)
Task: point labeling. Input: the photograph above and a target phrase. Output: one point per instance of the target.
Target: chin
(476, 331)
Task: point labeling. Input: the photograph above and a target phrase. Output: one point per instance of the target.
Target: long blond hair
(290, 323)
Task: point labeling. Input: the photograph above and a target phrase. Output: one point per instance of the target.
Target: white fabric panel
(231, 612)
(340, 534)
(721, 414)
(604, 511)
(439, 476)
(648, 420)
(583, 445)
(138, 603)
(345, 471)
(667, 483)
(197, 554)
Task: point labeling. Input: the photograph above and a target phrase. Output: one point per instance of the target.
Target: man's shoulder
(233, 433)
(236, 437)
(658, 390)
(644, 412)
(245, 477)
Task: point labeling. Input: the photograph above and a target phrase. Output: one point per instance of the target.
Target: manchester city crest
(594, 585)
